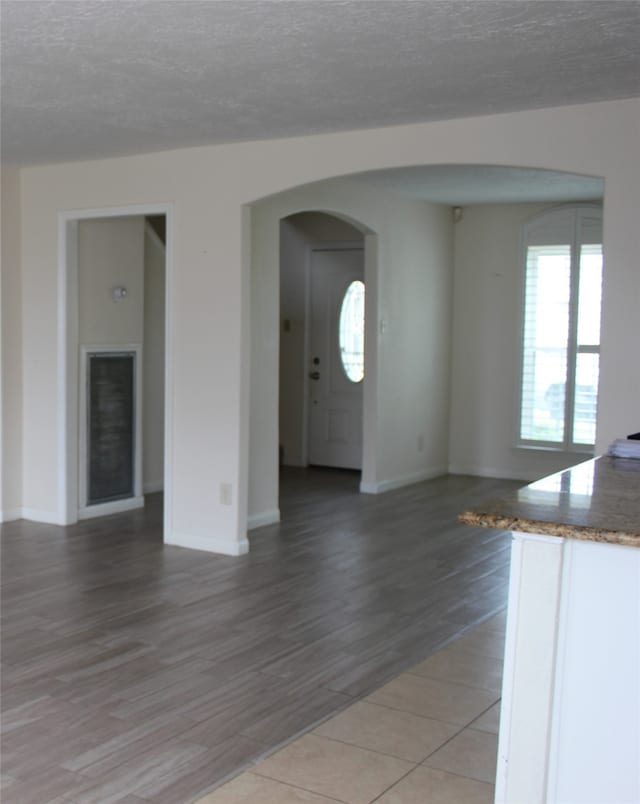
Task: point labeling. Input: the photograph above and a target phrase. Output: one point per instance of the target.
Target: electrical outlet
(225, 493)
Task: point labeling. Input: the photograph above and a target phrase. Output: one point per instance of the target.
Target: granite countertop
(598, 500)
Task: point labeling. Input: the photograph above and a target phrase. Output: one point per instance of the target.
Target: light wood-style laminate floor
(136, 672)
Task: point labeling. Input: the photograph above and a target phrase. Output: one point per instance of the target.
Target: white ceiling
(93, 79)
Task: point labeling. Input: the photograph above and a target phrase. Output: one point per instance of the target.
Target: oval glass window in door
(351, 334)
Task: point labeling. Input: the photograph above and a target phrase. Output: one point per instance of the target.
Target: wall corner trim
(492, 472)
(36, 515)
(263, 518)
(224, 546)
(380, 486)
(10, 514)
(153, 486)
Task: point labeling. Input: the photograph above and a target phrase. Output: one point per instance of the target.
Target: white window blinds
(561, 333)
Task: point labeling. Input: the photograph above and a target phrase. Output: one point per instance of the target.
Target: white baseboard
(114, 507)
(11, 514)
(224, 546)
(153, 487)
(490, 471)
(36, 515)
(404, 480)
(263, 518)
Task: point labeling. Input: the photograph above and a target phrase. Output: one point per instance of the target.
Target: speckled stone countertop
(598, 500)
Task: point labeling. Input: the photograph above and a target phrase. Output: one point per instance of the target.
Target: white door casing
(69, 500)
(335, 402)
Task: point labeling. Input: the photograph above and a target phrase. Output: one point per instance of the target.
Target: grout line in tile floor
(419, 739)
(383, 753)
(384, 792)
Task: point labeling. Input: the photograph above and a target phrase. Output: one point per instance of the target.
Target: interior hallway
(137, 672)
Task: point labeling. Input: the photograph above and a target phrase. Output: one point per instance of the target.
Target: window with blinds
(561, 333)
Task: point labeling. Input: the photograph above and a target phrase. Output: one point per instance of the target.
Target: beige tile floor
(429, 736)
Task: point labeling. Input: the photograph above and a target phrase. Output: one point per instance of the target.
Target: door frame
(68, 392)
(326, 245)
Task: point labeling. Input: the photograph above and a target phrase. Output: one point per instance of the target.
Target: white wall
(486, 347)
(110, 254)
(297, 234)
(11, 350)
(415, 293)
(408, 275)
(210, 295)
(153, 359)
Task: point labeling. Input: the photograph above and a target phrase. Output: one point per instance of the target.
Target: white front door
(336, 341)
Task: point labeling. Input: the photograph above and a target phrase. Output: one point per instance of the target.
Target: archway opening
(443, 299)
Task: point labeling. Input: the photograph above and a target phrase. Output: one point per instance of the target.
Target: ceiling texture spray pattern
(93, 79)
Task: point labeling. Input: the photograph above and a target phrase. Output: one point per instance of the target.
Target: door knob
(315, 375)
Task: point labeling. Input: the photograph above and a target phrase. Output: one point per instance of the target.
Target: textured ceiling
(89, 79)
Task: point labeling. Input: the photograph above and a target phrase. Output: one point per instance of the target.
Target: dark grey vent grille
(111, 397)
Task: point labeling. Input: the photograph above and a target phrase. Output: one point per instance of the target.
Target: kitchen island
(570, 722)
